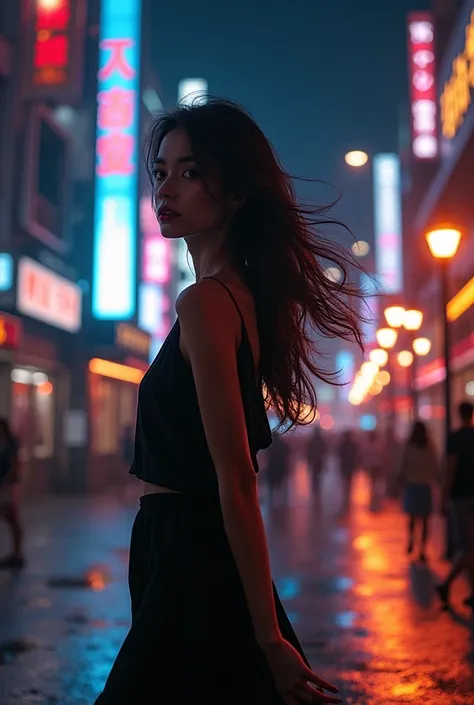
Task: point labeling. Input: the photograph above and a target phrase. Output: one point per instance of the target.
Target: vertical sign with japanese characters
(117, 154)
(388, 222)
(422, 85)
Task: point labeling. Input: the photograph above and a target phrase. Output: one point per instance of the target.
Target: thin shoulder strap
(233, 299)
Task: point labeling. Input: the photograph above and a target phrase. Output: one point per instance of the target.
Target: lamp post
(412, 323)
(443, 243)
(386, 338)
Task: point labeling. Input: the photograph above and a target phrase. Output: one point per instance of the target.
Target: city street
(367, 618)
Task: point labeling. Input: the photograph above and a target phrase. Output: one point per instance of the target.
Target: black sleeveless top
(170, 444)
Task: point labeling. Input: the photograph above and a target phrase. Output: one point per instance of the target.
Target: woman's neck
(209, 255)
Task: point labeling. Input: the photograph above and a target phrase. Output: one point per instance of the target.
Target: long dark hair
(276, 247)
(6, 430)
(419, 435)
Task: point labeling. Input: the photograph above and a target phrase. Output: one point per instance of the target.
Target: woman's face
(184, 206)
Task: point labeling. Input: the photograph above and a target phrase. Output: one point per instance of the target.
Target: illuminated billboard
(117, 154)
(156, 274)
(190, 90)
(388, 222)
(421, 60)
(370, 307)
(54, 48)
(458, 74)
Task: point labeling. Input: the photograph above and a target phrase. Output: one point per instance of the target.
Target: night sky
(319, 77)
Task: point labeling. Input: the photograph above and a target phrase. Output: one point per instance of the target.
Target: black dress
(192, 638)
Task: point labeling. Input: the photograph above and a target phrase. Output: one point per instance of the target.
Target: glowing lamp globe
(405, 358)
(395, 316)
(383, 378)
(386, 337)
(50, 4)
(379, 356)
(422, 346)
(443, 242)
(413, 319)
(356, 158)
(361, 248)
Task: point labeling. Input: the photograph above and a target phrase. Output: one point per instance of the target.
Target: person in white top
(419, 470)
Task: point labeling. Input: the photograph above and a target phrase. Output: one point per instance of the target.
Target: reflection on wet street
(368, 618)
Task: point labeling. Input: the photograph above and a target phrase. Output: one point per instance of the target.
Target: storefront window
(113, 411)
(33, 399)
(104, 416)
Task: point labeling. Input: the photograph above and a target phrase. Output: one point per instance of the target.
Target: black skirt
(191, 638)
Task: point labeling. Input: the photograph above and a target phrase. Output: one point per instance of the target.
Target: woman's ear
(237, 201)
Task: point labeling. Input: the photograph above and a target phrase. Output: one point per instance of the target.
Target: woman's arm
(210, 333)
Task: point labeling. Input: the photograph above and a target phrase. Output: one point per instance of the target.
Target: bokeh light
(356, 158)
(361, 248)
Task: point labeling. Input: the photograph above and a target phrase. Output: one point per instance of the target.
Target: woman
(419, 470)
(207, 624)
(10, 494)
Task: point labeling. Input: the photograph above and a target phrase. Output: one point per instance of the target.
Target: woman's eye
(190, 174)
(158, 175)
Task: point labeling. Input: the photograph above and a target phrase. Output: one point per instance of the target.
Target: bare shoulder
(206, 299)
(207, 306)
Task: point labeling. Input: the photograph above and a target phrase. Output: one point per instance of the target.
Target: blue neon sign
(117, 153)
(6, 271)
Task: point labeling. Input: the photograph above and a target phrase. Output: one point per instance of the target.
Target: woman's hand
(295, 682)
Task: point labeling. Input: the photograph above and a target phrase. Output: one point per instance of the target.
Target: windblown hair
(276, 247)
(419, 435)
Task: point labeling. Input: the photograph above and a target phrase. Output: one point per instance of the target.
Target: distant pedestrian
(10, 494)
(316, 456)
(349, 458)
(418, 471)
(458, 498)
(278, 468)
(374, 458)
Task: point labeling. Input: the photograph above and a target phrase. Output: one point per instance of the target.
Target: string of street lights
(371, 379)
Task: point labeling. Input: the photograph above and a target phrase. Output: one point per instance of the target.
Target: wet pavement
(367, 617)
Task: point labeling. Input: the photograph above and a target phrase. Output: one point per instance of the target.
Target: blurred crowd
(407, 470)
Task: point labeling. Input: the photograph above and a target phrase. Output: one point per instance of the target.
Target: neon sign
(422, 85)
(54, 45)
(115, 231)
(457, 94)
(388, 222)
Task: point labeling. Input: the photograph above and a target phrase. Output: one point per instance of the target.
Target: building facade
(448, 200)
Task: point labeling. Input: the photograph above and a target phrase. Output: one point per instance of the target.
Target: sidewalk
(367, 618)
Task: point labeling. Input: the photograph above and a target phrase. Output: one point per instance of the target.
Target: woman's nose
(166, 189)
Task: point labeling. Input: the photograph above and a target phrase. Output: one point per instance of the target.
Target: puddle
(12, 648)
(95, 579)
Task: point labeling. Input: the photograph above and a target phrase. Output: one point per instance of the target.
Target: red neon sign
(10, 331)
(422, 85)
(52, 50)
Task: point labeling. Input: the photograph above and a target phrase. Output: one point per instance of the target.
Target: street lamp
(443, 243)
(413, 319)
(379, 356)
(405, 358)
(356, 158)
(395, 316)
(386, 338)
(421, 346)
